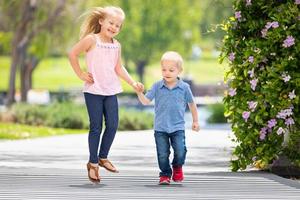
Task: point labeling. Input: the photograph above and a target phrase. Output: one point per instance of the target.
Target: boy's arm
(193, 109)
(143, 99)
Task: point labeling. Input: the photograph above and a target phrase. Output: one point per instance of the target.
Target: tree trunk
(19, 44)
(10, 97)
(26, 76)
(22, 39)
(140, 69)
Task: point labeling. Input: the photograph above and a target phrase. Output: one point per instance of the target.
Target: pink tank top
(101, 62)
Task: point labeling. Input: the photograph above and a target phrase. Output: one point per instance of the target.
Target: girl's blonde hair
(91, 22)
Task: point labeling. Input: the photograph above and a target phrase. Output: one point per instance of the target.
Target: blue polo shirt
(170, 105)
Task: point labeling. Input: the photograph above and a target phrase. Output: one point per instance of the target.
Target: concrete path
(54, 168)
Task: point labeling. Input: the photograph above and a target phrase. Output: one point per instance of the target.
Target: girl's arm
(82, 46)
(143, 99)
(193, 109)
(122, 72)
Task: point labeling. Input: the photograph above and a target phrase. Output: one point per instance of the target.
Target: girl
(103, 59)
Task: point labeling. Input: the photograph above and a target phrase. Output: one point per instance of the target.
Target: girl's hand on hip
(87, 77)
(195, 126)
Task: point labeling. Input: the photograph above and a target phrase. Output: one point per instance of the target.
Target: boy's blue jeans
(163, 142)
(99, 106)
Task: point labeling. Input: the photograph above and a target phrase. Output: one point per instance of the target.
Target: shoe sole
(164, 183)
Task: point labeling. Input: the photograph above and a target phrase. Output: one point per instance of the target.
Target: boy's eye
(172, 70)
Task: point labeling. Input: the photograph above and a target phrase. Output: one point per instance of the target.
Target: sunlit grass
(19, 131)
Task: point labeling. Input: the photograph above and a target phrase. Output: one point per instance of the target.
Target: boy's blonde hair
(91, 22)
(173, 56)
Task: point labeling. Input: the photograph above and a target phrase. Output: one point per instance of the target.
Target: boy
(171, 95)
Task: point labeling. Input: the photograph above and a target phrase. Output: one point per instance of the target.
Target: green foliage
(135, 120)
(5, 44)
(217, 113)
(263, 47)
(74, 116)
(145, 36)
(214, 13)
(29, 114)
(67, 115)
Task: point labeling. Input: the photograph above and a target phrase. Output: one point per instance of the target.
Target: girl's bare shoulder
(89, 41)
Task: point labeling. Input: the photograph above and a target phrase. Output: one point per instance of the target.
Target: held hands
(195, 126)
(138, 87)
(87, 77)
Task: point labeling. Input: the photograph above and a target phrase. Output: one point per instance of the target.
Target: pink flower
(251, 59)
(246, 115)
(263, 133)
(232, 92)
(264, 32)
(285, 77)
(238, 15)
(251, 73)
(289, 41)
(292, 95)
(248, 3)
(275, 24)
(272, 123)
(280, 131)
(297, 2)
(285, 113)
(252, 105)
(253, 83)
(289, 121)
(231, 56)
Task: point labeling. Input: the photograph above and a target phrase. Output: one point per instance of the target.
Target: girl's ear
(100, 21)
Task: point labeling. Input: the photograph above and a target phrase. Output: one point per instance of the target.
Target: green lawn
(19, 131)
(56, 73)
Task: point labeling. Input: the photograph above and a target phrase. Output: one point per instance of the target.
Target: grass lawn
(56, 74)
(19, 131)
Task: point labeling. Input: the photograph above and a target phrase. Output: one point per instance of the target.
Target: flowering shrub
(262, 46)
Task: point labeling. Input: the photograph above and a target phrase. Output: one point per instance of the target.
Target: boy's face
(170, 70)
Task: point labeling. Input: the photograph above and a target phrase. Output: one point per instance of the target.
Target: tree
(214, 13)
(148, 31)
(35, 17)
(262, 45)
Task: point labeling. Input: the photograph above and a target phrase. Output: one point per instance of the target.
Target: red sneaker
(164, 180)
(177, 174)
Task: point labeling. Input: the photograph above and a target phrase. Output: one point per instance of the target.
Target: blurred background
(39, 88)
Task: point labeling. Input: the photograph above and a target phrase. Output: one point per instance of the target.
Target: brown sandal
(105, 163)
(89, 167)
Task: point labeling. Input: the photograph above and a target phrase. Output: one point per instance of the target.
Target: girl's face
(170, 71)
(111, 25)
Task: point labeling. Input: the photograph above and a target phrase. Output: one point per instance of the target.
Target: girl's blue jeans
(97, 107)
(163, 142)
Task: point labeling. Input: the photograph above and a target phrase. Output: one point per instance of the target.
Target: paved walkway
(54, 168)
